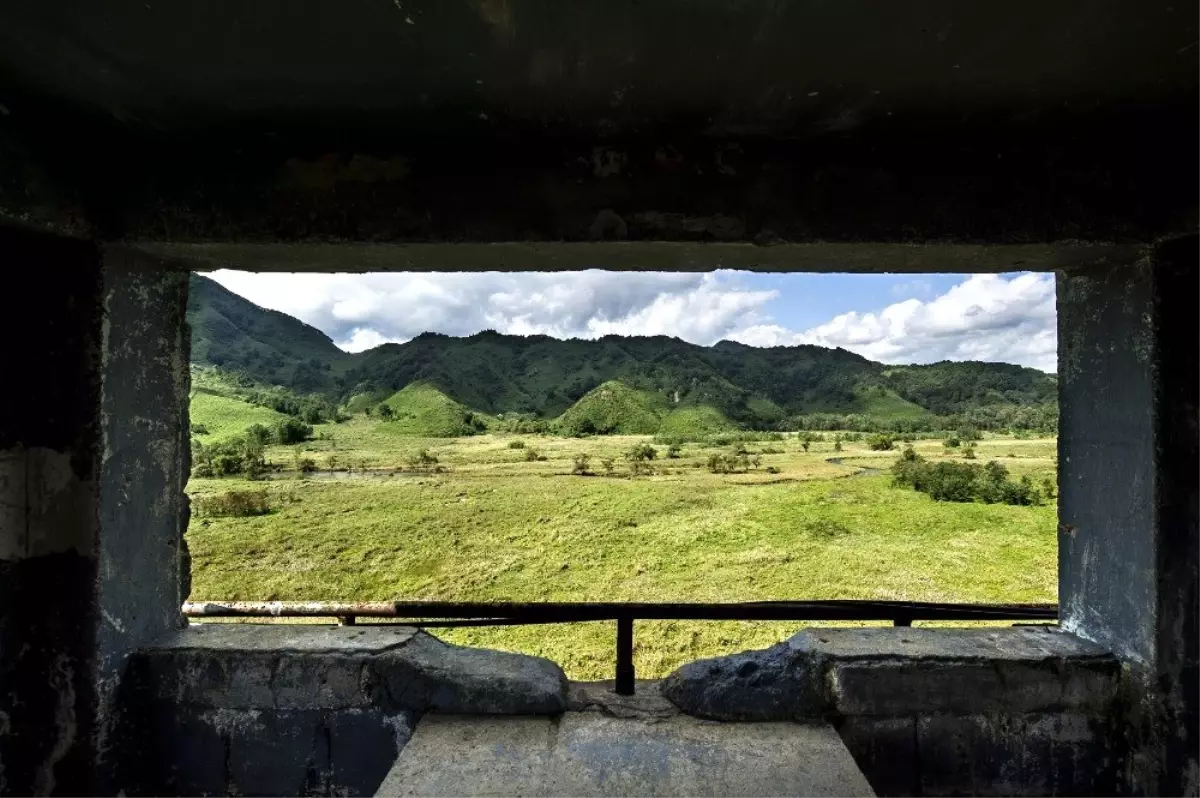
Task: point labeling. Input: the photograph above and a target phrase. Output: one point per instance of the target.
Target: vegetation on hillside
(421, 409)
(515, 380)
(613, 409)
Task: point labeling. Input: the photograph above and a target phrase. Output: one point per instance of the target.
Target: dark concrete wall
(1107, 458)
(1177, 278)
(1127, 506)
(50, 450)
(143, 510)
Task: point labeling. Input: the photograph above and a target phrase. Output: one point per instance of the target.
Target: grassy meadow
(497, 523)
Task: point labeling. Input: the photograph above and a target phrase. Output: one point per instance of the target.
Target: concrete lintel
(640, 256)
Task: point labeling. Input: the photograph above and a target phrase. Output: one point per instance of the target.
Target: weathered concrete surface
(590, 753)
(778, 683)
(50, 336)
(960, 671)
(287, 709)
(1128, 453)
(898, 671)
(647, 702)
(145, 464)
(252, 666)
(499, 121)
(1021, 710)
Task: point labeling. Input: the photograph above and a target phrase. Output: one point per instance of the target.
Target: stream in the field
(863, 471)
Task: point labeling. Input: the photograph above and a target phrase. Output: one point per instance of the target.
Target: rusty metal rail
(453, 613)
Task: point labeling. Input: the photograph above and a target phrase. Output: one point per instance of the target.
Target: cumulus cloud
(361, 311)
(986, 317)
(1008, 318)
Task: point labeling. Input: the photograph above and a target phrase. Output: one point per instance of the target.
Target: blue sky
(889, 318)
(806, 300)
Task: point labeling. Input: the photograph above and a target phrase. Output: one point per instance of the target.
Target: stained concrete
(1128, 454)
(270, 666)
(287, 709)
(1020, 711)
(590, 753)
(50, 446)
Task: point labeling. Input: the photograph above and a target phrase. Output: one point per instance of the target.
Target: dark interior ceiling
(721, 66)
(757, 122)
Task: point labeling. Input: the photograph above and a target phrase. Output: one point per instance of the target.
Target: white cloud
(1009, 318)
(361, 340)
(359, 311)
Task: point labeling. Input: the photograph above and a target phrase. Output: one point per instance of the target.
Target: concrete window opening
(658, 443)
(140, 146)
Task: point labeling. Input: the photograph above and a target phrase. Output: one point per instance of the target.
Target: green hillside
(272, 347)
(546, 378)
(421, 409)
(613, 408)
(695, 422)
(224, 417)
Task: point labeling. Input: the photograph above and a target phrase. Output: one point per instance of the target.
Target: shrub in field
(608, 464)
(228, 458)
(579, 464)
(260, 433)
(423, 460)
(1049, 489)
(303, 463)
(233, 503)
(962, 482)
(674, 451)
(969, 432)
(952, 442)
(516, 444)
(291, 430)
(881, 442)
(736, 462)
(642, 451)
(772, 470)
(531, 455)
(969, 451)
(199, 429)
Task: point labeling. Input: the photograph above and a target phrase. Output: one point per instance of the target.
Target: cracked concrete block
(961, 671)
(249, 666)
(778, 683)
(428, 674)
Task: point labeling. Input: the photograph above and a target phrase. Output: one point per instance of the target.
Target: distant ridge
(653, 377)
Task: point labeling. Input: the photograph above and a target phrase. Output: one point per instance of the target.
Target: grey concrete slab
(279, 637)
(595, 754)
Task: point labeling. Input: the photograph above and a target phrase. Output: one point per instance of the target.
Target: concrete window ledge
(275, 709)
(995, 711)
(293, 709)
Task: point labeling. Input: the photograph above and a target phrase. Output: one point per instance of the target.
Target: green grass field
(497, 526)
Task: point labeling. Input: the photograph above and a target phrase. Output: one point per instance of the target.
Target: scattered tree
(579, 464)
(881, 442)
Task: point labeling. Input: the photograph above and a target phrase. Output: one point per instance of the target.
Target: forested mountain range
(540, 376)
